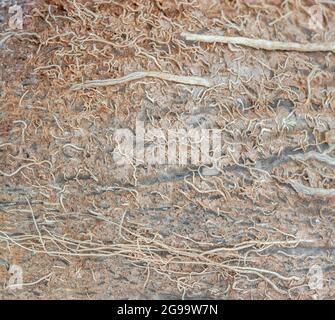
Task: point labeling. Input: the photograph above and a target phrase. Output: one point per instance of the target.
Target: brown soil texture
(83, 227)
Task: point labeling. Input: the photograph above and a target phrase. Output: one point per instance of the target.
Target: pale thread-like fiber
(309, 191)
(8, 35)
(261, 43)
(189, 80)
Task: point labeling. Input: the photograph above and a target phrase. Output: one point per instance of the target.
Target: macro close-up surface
(165, 149)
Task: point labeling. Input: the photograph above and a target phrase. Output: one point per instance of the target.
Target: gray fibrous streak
(8, 35)
(315, 156)
(5, 263)
(309, 191)
(262, 43)
(189, 80)
(266, 164)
